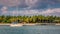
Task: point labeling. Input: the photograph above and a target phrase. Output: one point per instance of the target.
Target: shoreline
(1, 24)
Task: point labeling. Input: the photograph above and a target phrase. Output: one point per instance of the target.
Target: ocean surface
(47, 29)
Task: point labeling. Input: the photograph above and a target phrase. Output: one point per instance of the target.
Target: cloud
(55, 11)
(31, 3)
(4, 10)
(28, 3)
(11, 2)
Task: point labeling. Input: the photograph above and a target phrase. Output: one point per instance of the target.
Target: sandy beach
(19, 24)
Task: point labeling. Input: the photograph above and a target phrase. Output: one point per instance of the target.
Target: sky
(30, 7)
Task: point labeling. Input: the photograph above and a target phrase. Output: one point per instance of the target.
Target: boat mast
(17, 10)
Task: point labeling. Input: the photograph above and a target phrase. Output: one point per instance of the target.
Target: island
(30, 20)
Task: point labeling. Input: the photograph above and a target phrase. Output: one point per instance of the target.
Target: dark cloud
(29, 3)
(12, 2)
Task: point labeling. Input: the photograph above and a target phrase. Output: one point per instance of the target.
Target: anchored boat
(15, 24)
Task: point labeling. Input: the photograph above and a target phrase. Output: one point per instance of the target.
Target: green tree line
(30, 19)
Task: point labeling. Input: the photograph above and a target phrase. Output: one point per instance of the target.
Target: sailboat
(15, 24)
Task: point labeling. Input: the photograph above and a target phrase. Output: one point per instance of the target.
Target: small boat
(16, 25)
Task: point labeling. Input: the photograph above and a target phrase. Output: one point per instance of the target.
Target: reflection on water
(30, 30)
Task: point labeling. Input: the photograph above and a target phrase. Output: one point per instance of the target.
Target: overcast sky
(30, 7)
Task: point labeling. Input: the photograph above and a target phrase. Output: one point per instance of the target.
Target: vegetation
(30, 19)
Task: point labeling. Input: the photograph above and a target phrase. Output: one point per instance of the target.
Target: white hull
(16, 25)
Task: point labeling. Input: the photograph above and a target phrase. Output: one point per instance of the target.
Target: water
(30, 30)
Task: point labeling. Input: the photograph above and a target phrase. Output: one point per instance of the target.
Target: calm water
(30, 30)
